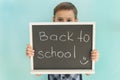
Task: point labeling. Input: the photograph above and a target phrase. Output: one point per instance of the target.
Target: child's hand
(29, 51)
(94, 55)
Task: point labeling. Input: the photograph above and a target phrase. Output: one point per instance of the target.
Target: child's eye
(69, 20)
(60, 20)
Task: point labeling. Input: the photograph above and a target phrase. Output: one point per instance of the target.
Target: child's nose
(64, 20)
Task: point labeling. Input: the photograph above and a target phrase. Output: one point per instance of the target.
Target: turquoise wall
(15, 16)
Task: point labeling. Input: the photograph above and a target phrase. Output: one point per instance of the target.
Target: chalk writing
(83, 38)
(64, 37)
(53, 37)
(84, 61)
(68, 36)
(53, 53)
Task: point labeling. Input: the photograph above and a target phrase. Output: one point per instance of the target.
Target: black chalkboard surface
(62, 47)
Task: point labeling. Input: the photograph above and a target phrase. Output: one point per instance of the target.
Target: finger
(94, 58)
(29, 46)
(29, 49)
(29, 53)
(94, 53)
(30, 56)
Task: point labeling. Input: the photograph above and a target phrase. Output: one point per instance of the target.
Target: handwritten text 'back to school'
(67, 36)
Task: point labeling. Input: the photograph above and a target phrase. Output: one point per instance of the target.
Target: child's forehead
(65, 13)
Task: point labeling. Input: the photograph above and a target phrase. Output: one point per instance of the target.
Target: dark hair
(65, 6)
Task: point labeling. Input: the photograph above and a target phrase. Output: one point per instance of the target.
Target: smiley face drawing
(84, 61)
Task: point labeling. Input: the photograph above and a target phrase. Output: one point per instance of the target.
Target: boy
(64, 12)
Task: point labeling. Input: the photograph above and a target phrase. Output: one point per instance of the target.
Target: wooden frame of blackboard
(68, 71)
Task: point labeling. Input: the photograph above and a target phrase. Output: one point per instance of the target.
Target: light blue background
(15, 16)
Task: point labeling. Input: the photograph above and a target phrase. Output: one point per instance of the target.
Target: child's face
(64, 16)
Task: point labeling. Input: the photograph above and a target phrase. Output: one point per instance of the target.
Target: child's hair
(65, 6)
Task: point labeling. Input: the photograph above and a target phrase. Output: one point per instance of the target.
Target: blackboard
(62, 47)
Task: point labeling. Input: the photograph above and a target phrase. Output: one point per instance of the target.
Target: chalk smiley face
(84, 61)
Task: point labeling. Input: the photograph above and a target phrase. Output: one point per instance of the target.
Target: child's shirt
(64, 77)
